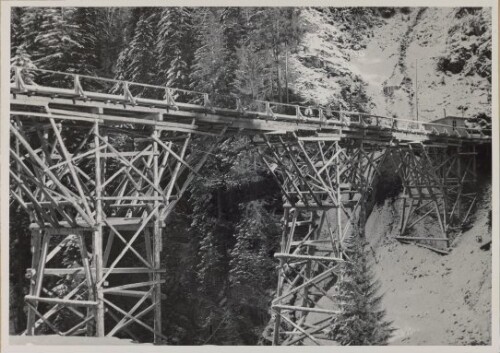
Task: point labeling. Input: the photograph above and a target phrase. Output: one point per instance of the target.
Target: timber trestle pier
(99, 173)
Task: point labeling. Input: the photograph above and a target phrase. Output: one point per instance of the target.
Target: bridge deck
(203, 117)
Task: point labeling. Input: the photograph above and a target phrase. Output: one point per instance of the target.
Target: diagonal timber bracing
(105, 191)
(440, 185)
(99, 173)
(325, 185)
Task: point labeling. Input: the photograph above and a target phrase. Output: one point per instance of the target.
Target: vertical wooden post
(41, 264)
(88, 279)
(36, 236)
(97, 239)
(308, 271)
(157, 234)
(339, 201)
(444, 189)
(279, 290)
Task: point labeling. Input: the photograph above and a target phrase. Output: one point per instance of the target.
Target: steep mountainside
(447, 49)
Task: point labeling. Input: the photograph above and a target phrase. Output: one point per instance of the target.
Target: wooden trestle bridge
(106, 198)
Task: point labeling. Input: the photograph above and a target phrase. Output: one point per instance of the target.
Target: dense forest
(219, 245)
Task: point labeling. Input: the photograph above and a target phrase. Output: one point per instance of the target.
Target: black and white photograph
(249, 175)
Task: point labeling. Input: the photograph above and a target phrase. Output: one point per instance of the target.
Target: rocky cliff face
(348, 57)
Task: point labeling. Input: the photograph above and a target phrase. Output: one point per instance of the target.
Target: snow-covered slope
(445, 49)
(434, 299)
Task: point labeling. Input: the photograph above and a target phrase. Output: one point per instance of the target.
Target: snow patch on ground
(433, 299)
(55, 340)
(398, 45)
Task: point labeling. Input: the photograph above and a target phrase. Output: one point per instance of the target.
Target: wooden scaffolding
(99, 192)
(99, 173)
(440, 185)
(326, 181)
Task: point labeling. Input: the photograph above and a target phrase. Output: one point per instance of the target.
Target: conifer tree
(362, 320)
(253, 76)
(210, 72)
(175, 47)
(16, 29)
(137, 60)
(85, 56)
(250, 265)
(55, 41)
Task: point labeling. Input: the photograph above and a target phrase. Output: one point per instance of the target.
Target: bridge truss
(99, 174)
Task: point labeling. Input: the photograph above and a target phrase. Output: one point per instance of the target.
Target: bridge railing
(105, 89)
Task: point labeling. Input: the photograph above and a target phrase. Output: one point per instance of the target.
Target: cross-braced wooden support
(98, 195)
(99, 173)
(325, 184)
(439, 183)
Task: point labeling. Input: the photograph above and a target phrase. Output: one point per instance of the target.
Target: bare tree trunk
(286, 72)
(277, 59)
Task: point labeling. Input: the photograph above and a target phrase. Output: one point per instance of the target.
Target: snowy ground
(434, 299)
(55, 340)
(324, 59)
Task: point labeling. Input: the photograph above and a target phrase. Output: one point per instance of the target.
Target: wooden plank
(135, 285)
(420, 238)
(65, 302)
(307, 309)
(125, 154)
(134, 198)
(306, 257)
(319, 138)
(115, 271)
(156, 294)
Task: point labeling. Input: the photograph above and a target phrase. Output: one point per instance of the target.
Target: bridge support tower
(97, 192)
(326, 181)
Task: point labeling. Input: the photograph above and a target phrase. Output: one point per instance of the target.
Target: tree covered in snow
(210, 72)
(175, 46)
(361, 321)
(51, 38)
(137, 60)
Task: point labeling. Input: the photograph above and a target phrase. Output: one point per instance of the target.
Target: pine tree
(16, 29)
(210, 72)
(250, 263)
(253, 76)
(137, 60)
(28, 28)
(85, 56)
(175, 47)
(112, 32)
(362, 320)
(55, 42)
(267, 39)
